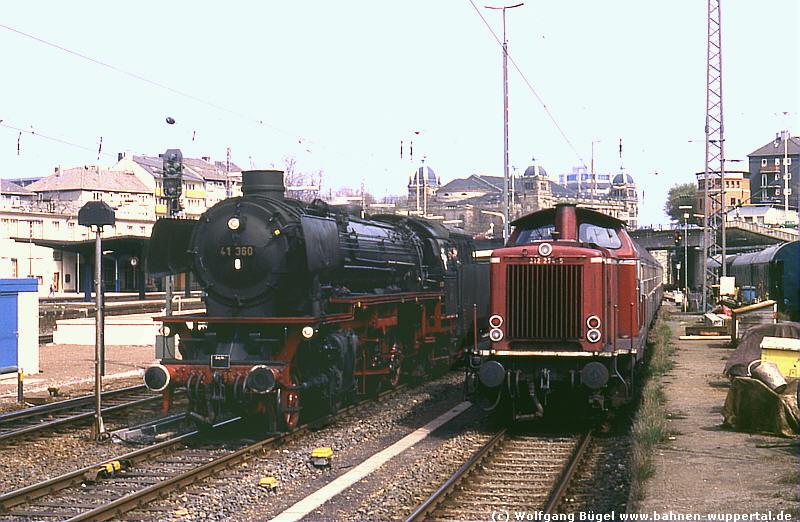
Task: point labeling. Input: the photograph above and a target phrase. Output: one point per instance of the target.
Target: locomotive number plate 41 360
(237, 251)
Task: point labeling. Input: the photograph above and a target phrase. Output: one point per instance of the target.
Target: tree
(301, 185)
(681, 196)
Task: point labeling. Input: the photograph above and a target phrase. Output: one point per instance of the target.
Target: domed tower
(623, 189)
(536, 191)
(422, 187)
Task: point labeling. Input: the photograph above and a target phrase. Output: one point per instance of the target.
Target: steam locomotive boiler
(572, 300)
(307, 305)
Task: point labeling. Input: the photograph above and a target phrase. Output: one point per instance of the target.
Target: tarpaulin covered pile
(751, 405)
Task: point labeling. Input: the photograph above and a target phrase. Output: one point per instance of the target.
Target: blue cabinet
(19, 324)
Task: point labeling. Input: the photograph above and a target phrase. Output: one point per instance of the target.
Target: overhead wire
(530, 87)
(178, 92)
(142, 78)
(32, 132)
(248, 117)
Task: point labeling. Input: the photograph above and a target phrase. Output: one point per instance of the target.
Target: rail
(498, 447)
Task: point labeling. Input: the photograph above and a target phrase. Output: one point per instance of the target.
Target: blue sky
(338, 85)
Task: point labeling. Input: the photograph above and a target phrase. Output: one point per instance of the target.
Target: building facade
(39, 232)
(774, 169)
(737, 191)
(475, 203)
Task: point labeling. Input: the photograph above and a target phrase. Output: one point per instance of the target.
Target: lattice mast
(714, 179)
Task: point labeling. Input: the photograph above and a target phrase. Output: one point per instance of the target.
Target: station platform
(120, 330)
(706, 467)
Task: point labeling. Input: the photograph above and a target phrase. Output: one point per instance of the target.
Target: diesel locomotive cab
(566, 313)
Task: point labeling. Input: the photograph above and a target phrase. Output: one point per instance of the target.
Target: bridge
(739, 235)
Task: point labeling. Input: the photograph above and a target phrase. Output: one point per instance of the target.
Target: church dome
(535, 170)
(622, 179)
(423, 176)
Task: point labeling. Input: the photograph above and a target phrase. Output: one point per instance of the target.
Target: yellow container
(783, 351)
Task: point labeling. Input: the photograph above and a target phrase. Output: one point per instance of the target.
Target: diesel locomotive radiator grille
(544, 301)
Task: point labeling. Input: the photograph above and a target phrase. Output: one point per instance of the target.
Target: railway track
(511, 475)
(118, 485)
(48, 416)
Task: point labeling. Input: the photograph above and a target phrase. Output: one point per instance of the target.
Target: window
(544, 232)
(777, 161)
(600, 236)
(788, 191)
(763, 180)
(764, 162)
(788, 161)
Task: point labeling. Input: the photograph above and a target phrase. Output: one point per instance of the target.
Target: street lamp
(505, 117)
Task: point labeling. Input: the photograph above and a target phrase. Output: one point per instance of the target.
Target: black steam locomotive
(308, 305)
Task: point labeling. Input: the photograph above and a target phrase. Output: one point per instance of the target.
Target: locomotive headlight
(545, 249)
(156, 378)
(166, 331)
(496, 334)
(234, 223)
(496, 321)
(593, 322)
(593, 335)
(307, 332)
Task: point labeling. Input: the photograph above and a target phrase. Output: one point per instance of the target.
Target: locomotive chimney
(268, 183)
(566, 222)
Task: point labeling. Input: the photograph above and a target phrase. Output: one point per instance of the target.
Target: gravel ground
(353, 437)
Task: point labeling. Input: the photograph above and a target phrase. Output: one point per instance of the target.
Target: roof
(494, 185)
(620, 179)
(776, 148)
(535, 170)
(428, 178)
(154, 167)
(584, 215)
(122, 244)
(474, 183)
(752, 210)
(89, 178)
(10, 188)
(209, 171)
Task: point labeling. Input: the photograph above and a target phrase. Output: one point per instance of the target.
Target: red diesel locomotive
(572, 299)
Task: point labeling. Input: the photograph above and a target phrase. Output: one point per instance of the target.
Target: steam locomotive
(572, 301)
(308, 305)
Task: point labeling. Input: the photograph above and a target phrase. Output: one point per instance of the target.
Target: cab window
(600, 236)
(542, 233)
